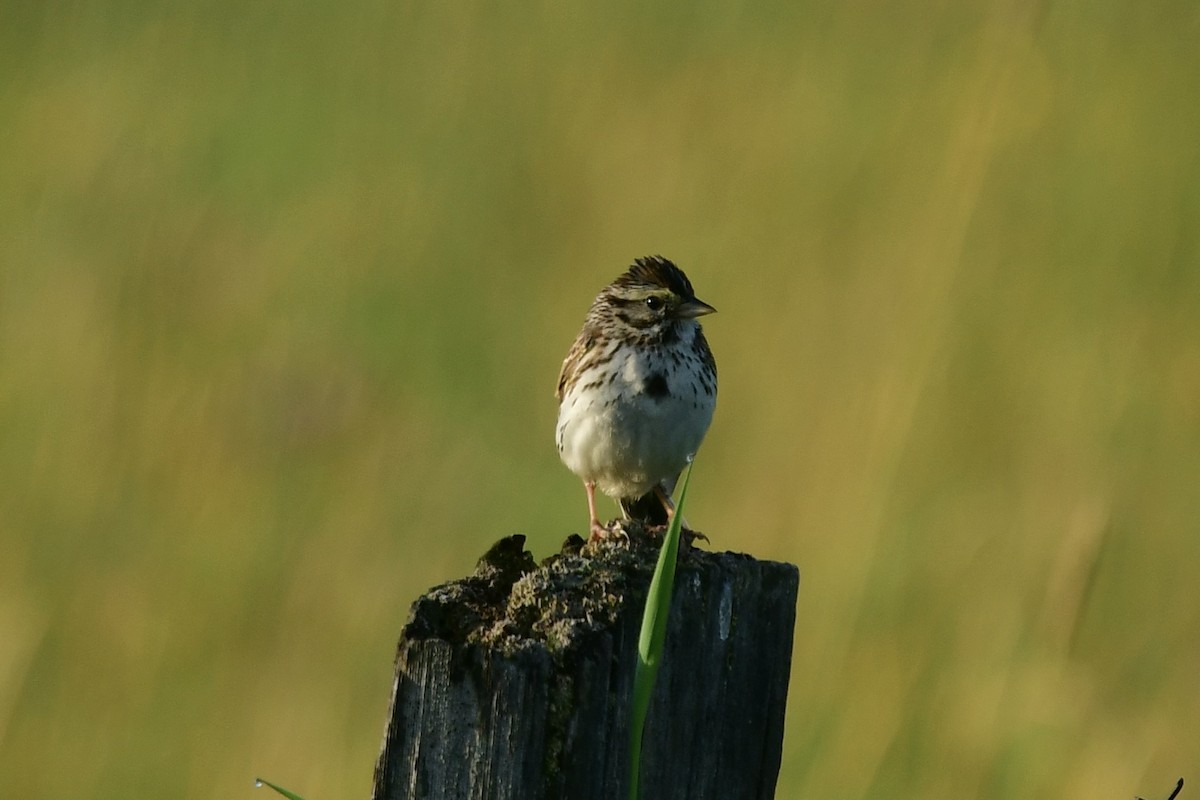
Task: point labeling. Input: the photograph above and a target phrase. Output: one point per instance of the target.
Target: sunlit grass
(653, 636)
(283, 300)
(259, 783)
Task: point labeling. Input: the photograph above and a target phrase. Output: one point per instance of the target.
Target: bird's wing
(571, 364)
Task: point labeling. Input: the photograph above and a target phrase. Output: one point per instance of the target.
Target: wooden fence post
(515, 681)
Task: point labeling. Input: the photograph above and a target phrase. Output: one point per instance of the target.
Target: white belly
(626, 440)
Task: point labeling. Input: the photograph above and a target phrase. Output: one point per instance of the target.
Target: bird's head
(652, 297)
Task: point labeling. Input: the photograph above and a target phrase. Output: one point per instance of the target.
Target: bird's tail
(649, 508)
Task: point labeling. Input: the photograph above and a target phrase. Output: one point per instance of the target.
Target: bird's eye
(654, 302)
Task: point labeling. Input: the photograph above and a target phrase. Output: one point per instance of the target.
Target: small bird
(637, 391)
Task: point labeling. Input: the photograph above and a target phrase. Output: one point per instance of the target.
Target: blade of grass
(653, 634)
(259, 782)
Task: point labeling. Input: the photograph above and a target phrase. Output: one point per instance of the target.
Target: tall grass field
(284, 291)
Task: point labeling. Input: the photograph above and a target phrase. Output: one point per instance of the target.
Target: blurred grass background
(285, 292)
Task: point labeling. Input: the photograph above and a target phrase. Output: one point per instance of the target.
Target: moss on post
(515, 681)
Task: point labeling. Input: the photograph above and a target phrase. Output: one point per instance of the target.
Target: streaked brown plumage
(637, 390)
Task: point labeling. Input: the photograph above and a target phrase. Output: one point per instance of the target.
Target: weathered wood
(515, 682)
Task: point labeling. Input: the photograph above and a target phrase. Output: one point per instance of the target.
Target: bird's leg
(669, 504)
(597, 530)
(666, 500)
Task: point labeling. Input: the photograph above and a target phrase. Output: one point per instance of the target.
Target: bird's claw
(609, 532)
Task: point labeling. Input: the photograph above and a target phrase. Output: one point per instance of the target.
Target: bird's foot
(612, 530)
(599, 531)
(688, 535)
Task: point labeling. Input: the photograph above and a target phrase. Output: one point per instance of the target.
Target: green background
(285, 289)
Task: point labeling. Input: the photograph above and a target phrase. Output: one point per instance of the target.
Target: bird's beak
(694, 308)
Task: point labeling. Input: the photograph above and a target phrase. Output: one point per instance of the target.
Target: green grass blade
(259, 782)
(654, 633)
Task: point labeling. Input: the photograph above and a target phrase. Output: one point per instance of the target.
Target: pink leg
(666, 500)
(598, 530)
(689, 535)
